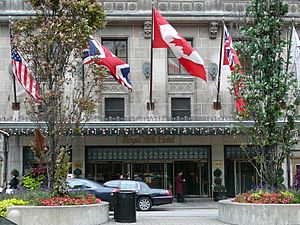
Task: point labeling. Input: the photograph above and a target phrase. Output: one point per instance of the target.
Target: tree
(52, 43)
(268, 88)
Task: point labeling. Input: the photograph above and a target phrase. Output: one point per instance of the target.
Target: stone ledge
(94, 214)
(254, 214)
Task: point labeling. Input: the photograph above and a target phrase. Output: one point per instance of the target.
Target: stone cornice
(119, 11)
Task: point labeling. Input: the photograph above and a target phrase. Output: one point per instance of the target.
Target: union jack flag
(230, 56)
(24, 75)
(100, 55)
(231, 59)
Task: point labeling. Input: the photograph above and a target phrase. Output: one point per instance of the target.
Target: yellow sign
(217, 163)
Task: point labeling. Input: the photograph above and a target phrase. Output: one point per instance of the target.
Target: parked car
(146, 196)
(104, 193)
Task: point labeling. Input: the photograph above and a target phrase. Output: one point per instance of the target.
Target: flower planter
(94, 214)
(262, 214)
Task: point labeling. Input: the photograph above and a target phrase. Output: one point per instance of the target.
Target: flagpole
(217, 104)
(289, 46)
(150, 105)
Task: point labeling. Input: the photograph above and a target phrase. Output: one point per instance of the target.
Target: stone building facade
(183, 133)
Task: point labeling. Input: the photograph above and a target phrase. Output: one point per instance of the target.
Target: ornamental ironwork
(147, 153)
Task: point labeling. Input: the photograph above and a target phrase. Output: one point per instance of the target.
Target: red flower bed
(264, 197)
(67, 200)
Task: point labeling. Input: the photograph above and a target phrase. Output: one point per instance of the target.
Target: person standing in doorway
(179, 187)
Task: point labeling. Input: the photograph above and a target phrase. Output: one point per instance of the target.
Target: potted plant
(77, 172)
(219, 191)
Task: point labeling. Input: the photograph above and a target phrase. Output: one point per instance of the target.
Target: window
(114, 108)
(174, 67)
(180, 107)
(117, 46)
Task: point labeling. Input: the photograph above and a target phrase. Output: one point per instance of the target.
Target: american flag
(103, 57)
(24, 75)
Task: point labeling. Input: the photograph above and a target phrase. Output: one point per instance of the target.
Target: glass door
(245, 176)
(151, 173)
(196, 177)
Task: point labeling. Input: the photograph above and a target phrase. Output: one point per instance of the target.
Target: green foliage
(77, 172)
(32, 183)
(4, 204)
(218, 187)
(15, 172)
(62, 167)
(217, 172)
(52, 42)
(266, 85)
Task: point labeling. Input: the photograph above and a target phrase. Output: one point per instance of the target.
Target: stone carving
(27, 5)
(14, 5)
(175, 6)
(147, 29)
(108, 6)
(109, 87)
(162, 6)
(293, 8)
(213, 30)
(181, 87)
(216, 4)
(228, 7)
(2, 5)
(199, 6)
(132, 6)
(186, 6)
(212, 70)
(120, 6)
(240, 7)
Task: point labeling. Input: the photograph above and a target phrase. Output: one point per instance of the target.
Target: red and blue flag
(231, 59)
(100, 55)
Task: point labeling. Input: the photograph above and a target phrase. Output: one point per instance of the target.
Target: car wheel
(144, 203)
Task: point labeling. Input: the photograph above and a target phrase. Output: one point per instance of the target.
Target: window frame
(112, 110)
(114, 40)
(181, 109)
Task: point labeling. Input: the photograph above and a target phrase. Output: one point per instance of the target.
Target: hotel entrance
(239, 173)
(157, 169)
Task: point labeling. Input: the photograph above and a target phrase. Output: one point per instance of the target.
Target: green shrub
(32, 183)
(14, 172)
(10, 202)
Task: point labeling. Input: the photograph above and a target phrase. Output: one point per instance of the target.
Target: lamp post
(5, 141)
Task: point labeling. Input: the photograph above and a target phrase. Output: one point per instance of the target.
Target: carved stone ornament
(213, 70)
(147, 29)
(14, 5)
(213, 30)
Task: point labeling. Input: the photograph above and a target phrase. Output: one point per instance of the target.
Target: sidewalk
(195, 211)
(195, 203)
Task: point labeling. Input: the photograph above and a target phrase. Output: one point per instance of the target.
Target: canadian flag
(165, 36)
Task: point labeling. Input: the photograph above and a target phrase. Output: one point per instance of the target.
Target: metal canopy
(138, 128)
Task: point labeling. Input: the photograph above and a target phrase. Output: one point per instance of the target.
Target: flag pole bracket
(150, 106)
(217, 105)
(15, 106)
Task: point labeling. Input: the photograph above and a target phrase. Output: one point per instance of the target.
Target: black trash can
(125, 207)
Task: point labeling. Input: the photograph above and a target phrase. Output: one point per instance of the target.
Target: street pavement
(194, 211)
